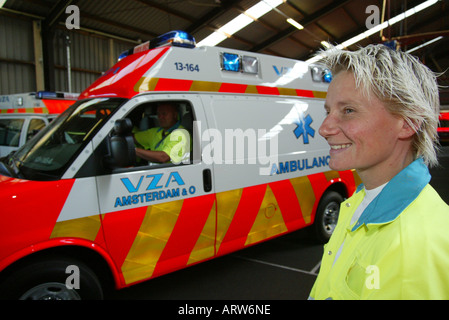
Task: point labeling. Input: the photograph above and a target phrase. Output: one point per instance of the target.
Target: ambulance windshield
(48, 155)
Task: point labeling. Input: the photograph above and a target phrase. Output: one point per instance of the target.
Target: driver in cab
(163, 144)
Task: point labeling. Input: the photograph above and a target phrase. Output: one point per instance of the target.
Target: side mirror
(122, 148)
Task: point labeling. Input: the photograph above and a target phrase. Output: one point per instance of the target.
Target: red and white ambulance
(79, 210)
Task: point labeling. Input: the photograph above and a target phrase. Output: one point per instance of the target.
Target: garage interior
(58, 45)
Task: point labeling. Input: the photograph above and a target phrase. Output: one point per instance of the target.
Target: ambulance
(23, 115)
(443, 127)
(80, 211)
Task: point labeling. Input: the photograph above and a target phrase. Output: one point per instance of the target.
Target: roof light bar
(175, 38)
(55, 95)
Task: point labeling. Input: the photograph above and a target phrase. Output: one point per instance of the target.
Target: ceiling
(333, 21)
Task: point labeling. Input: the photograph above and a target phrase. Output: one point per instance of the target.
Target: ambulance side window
(10, 130)
(149, 134)
(34, 127)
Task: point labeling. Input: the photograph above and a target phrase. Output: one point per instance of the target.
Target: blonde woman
(391, 240)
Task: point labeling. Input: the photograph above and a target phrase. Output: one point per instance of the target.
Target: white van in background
(23, 115)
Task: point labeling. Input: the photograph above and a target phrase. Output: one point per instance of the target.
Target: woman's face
(362, 134)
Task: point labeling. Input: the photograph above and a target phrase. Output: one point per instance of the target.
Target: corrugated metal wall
(90, 55)
(16, 55)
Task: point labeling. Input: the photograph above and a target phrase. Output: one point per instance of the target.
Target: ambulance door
(256, 133)
(159, 217)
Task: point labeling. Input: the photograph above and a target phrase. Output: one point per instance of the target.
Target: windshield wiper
(12, 164)
(7, 170)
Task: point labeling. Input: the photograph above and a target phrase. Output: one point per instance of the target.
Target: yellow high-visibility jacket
(175, 143)
(398, 248)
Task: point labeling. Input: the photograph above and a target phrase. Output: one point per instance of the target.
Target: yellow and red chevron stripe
(51, 107)
(151, 241)
(166, 84)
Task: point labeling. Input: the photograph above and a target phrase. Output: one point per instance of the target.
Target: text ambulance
(23, 115)
(76, 199)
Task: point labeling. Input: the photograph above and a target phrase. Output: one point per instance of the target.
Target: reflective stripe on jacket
(398, 249)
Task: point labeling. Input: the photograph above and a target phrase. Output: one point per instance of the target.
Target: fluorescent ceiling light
(326, 44)
(379, 27)
(425, 44)
(239, 22)
(295, 24)
(212, 40)
(259, 10)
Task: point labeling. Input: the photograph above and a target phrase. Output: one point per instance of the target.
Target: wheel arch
(339, 187)
(335, 185)
(90, 254)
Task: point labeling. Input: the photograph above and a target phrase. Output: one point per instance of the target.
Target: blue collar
(402, 190)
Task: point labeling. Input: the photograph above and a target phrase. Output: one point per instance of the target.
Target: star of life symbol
(304, 129)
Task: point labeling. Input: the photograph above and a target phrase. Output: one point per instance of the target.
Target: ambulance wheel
(326, 216)
(52, 279)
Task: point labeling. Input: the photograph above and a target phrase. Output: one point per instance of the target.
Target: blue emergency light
(327, 76)
(124, 54)
(320, 74)
(236, 63)
(52, 94)
(45, 94)
(175, 38)
(230, 62)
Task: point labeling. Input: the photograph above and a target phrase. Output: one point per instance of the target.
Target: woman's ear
(409, 128)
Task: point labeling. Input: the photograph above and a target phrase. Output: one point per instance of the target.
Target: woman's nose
(328, 127)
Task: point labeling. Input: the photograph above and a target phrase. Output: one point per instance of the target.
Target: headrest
(123, 126)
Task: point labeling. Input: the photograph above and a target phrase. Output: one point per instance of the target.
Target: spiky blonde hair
(406, 87)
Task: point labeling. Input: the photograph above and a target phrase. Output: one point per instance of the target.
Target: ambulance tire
(326, 216)
(52, 279)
